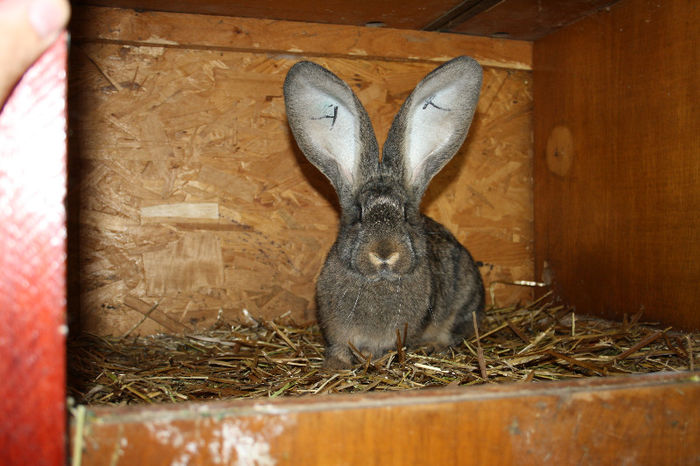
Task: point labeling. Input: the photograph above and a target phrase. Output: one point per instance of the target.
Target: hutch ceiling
(506, 19)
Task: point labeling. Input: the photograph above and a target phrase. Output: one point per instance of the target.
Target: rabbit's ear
(331, 127)
(432, 123)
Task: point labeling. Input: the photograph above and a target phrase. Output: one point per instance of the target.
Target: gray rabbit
(391, 267)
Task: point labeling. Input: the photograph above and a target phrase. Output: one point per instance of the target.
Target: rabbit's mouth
(384, 275)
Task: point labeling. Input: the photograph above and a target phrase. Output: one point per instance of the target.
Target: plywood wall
(190, 200)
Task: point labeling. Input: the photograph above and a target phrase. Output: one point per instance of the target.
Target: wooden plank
(32, 264)
(290, 37)
(169, 127)
(617, 171)
(527, 19)
(409, 14)
(653, 419)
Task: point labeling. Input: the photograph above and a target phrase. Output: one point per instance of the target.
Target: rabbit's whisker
(398, 293)
(356, 300)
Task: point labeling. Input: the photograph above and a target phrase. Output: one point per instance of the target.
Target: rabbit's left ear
(432, 123)
(331, 127)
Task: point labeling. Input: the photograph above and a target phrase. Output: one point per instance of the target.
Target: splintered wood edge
(292, 38)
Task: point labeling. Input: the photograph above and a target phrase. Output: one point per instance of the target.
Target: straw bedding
(253, 359)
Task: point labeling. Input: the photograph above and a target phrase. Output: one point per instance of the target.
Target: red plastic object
(32, 265)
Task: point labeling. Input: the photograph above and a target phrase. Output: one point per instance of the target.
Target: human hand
(27, 28)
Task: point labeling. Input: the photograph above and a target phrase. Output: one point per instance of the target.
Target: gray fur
(391, 267)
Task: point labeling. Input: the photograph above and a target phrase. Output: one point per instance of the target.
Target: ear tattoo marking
(333, 116)
(433, 104)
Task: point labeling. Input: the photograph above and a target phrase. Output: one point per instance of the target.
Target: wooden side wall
(617, 161)
(189, 197)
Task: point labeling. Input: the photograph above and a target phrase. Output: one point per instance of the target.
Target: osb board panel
(308, 39)
(647, 420)
(407, 14)
(189, 192)
(617, 161)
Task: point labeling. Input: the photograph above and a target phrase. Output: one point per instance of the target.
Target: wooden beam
(653, 419)
(461, 13)
(290, 37)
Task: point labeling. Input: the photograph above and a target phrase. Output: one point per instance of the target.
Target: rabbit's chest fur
(368, 313)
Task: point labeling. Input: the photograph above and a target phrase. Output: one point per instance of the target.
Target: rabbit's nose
(379, 260)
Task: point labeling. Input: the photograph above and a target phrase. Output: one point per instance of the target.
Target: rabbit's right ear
(331, 127)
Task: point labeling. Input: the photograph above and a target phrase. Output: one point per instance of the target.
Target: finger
(27, 28)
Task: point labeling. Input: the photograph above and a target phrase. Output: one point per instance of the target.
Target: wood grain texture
(518, 19)
(408, 14)
(295, 38)
(619, 229)
(647, 420)
(163, 138)
(527, 19)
